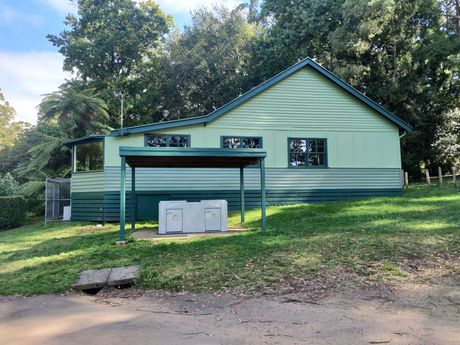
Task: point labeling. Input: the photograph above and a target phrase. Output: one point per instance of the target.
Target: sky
(30, 66)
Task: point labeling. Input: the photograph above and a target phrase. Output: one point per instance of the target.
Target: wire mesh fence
(57, 197)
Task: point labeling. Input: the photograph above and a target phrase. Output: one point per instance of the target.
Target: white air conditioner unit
(192, 217)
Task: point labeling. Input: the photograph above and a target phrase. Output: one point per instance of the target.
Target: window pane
(178, 141)
(89, 156)
(320, 146)
(316, 146)
(157, 141)
(297, 152)
(251, 143)
(312, 146)
(316, 152)
(231, 143)
(316, 159)
(168, 140)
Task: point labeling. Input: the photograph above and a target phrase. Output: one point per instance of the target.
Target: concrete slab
(92, 279)
(123, 275)
(152, 234)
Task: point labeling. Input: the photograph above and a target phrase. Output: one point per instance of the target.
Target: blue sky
(30, 66)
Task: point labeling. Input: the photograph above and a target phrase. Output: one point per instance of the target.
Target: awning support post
(242, 193)
(133, 198)
(262, 195)
(122, 198)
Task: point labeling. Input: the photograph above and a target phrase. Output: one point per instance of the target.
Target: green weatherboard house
(323, 140)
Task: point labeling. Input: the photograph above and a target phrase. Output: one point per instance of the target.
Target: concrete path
(209, 319)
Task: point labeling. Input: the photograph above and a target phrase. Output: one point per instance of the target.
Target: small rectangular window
(167, 140)
(305, 152)
(241, 142)
(89, 156)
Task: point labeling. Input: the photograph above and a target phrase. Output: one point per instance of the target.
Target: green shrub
(12, 211)
(8, 185)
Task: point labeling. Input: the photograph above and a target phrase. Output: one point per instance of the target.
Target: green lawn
(371, 238)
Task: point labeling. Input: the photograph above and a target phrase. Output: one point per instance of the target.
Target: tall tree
(107, 45)
(447, 143)
(208, 63)
(10, 130)
(78, 112)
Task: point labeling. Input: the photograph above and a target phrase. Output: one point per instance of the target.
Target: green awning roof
(84, 140)
(172, 157)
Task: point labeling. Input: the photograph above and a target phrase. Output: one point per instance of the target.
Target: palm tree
(65, 114)
(77, 112)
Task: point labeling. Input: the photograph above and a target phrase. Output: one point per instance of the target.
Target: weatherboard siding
(87, 182)
(305, 100)
(171, 179)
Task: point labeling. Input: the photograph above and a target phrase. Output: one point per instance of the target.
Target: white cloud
(61, 6)
(10, 16)
(184, 7)
(25, 77)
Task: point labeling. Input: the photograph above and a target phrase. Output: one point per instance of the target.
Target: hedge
(12, 211)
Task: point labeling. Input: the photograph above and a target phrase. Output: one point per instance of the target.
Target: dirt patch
(408, 314)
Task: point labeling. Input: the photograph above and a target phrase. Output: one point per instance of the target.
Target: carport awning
(186, 157)
(172, 157)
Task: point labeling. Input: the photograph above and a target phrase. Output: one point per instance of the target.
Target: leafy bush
(12, 211)
(8, 185)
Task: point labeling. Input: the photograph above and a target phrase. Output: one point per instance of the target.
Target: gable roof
(258, 89)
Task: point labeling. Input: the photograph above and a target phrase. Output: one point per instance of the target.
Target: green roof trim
(174, 157)
(140, 151)
(83, 140)
(255, 91)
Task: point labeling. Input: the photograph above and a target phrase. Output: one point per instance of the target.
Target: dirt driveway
(406, 317)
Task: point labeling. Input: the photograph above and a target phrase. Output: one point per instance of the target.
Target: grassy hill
(307, 246)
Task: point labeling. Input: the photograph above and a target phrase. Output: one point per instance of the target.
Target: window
(304, 152)
(241, 142)
(89, 156)
(167, 140)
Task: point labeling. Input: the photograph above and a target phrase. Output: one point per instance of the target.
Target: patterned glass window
(166, 140)
(304, 152)
(242, 142)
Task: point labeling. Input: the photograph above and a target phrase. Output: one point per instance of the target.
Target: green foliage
(110, 43)
(12, 211)
(78, 112)
(207, 63)
(374, 240)
(447, 142)
(8, 185)
(10, 130)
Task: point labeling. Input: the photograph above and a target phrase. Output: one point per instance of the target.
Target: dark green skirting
(105, 207)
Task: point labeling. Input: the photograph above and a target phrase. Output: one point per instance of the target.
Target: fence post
(454, 176)
(46, 199)
(406, 179)
(427, 174)
(440, 176)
